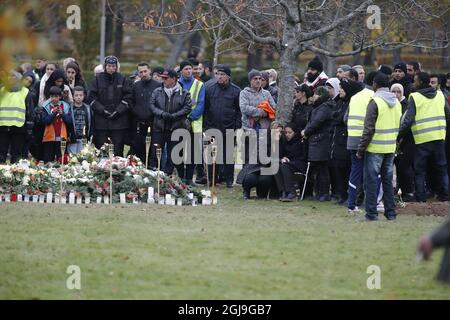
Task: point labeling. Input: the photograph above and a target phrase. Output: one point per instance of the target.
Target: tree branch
(315, 34)
(247, 30)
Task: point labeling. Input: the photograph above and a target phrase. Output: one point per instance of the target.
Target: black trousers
(224, 171)
(196, 150)
(12, 141)
(404, 164)
(51, 151)
(117, 137)
(340, 176)
(431, 151)
(262, 183)
(285, 178)
(321, 177)
(161, 138)
(138, 134)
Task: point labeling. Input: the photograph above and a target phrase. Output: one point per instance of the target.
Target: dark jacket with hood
(222, 110)
(410, 115)
(141, 97)
(178, 105)
(318, 131)
(339, 153)
(372, 116)
(111, 93)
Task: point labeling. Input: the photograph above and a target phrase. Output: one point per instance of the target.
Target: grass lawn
(236, 250)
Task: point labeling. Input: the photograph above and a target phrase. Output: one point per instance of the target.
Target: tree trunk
(288, 62)
(109, 26)
(446, 56)
(118, 34)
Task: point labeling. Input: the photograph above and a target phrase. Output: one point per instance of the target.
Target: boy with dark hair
(81, 121)
(56, 118)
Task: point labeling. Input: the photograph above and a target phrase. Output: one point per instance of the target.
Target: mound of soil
(425, 209)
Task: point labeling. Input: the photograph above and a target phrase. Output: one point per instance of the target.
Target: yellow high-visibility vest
(197, 125)
(430, 124)
(13, 107)
(357, 109)
(386, 128)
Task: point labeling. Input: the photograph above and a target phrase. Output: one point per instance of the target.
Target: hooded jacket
(410, 115)
(334, 82)
(372, 115)
(249, 99)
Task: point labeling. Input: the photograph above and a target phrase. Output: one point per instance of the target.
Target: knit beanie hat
(184, 64)
(345, 67)
(316, 64)
(401, 66)
(224, 68)
(111, 60)
(253, 73)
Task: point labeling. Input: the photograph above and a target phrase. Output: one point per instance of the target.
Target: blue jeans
(355, 180)
(379, 164)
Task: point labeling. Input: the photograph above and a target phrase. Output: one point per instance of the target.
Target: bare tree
(298, 26)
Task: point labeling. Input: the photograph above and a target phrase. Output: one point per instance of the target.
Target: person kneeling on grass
(56, 118)
(291, 159)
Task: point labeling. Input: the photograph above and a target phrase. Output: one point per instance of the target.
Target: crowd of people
(345, 135)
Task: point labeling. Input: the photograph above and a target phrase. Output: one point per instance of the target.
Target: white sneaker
(380, 207)
(354, 211)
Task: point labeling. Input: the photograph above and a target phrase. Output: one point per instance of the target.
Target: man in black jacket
(222, 112)
(140, 111)
(110, 98)
(170, 106)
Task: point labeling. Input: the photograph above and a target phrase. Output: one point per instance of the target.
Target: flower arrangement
(89, 173)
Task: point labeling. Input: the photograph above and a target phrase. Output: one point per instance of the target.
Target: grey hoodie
(372, 115)
(248, 102)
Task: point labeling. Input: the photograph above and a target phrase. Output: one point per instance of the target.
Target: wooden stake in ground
(63, 146)
(214, 154)
(158, 156)
(84, 138)
(148, 141)
(111, 155)
(205, 156)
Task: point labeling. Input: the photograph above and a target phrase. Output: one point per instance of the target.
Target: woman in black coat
(318, 133)
(292, 159)
(340, 162)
